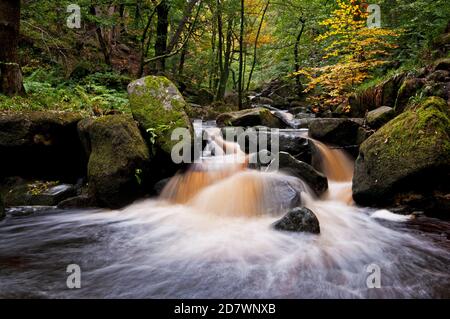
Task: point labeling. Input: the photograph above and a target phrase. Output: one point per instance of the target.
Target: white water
(206, 247)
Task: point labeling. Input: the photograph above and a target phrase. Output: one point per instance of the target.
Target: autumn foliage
(352, 50)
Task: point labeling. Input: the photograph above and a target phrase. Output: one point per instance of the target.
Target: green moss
(158, 106)
(414, 138)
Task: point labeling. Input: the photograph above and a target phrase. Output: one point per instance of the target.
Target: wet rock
(2, 207)
(259, 159)
(299, 219)
(158, 106)
(39, 193)
(250, 117)
(80, 201)
(290, 165)
(159, 186)
(380, 116)
(41, 145)
(341, 132)
(410, 154)
(118, 159)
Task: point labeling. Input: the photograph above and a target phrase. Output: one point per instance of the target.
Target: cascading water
(210, 236)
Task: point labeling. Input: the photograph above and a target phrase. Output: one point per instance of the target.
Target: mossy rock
(250, 117)
(118, 159)
(158, 106)
(41, 145)
(411, 153)
(408, 89)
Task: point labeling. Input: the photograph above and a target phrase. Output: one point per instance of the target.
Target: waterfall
(209, 235)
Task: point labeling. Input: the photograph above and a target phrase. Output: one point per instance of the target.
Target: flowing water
(209, 235)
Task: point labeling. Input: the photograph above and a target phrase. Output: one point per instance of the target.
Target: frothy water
(209, 244)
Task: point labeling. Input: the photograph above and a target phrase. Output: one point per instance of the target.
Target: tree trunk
(241, 60)
(227, 61)
(11, 82)
(162, 12)
(298, 84)
(256, 44)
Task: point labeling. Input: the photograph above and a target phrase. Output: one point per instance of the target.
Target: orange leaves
(354, 49)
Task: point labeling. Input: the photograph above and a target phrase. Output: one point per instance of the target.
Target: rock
(383, 94)
(341, 132)
(439, 76)
(80, 201)
(299, 219)
(157, 105)
(118, 159)
(407, 90)
(442, 64)
(262, 100)
(2, 207)
(437, 89)
(203, 97)
(287, 163)
(39, 193)
(41, 145)
(231, 98)
(250, 117)
(159, 186)
(259, 159)
(380, 116)
(279, 101)
(410, 154)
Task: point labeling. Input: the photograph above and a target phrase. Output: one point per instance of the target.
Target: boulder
(439, 76)
(290, 165)
(250, 117)
(442, 64)
(260, 159)
(341, 132)
(299, 219)
(382, 94)
(159, 108)
(80, 201)
(159, 186)
(39, 193)
(261, 100)
(231, 98)
(41, 145)
(118, 159)
(380, 116)
(408, 155)
(2, 207)
(407, 90)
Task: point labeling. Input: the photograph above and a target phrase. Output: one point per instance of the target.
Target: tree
(11, 82)
(353, 49)
(241, 57)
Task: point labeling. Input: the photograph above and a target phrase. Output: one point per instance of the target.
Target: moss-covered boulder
(250, 117)
(410, 155)
(380, 116)
(41, 145)
(118, 159)
(159, 108)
